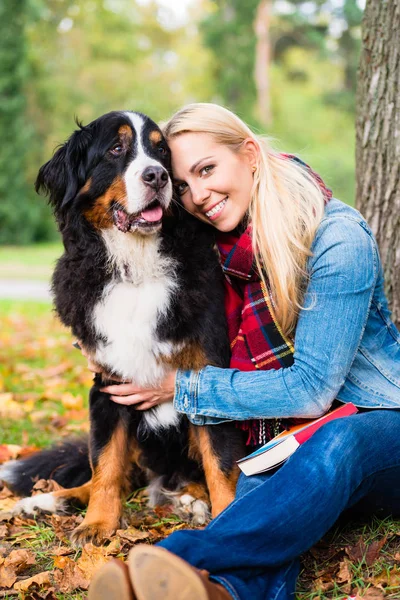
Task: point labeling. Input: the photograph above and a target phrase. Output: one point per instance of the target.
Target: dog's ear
(63, 176)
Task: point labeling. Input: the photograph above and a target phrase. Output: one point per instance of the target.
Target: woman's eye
(117, 149)
(206, 170)
(181, 188)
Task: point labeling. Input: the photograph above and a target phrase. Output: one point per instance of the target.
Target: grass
(39, 403)
(29, 262)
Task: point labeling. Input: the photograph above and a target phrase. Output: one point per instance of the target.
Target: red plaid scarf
(257, 341)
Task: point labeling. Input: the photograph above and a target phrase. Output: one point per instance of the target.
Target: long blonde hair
(285, 210)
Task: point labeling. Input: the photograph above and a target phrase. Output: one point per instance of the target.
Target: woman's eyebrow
(196, 164)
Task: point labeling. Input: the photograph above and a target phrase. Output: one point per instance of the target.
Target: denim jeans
(253, 547)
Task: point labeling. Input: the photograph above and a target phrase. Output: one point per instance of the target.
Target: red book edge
(343, 411)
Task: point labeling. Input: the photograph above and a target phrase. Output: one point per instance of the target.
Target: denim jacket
(346, 346)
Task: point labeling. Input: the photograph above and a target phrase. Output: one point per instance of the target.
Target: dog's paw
(187, 506)
(39, 503)
(95, 533)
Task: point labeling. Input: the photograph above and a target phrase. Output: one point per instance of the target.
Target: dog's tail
(66, 462)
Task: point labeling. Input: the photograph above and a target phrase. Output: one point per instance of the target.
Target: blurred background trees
(286, 66)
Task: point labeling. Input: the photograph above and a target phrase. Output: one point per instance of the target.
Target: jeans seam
(227, 585)
(283, 583)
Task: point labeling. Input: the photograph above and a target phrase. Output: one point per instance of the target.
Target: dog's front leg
(109, 455)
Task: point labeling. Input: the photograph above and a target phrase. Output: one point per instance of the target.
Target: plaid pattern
(257, 341)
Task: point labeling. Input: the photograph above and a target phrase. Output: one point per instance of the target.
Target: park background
(288, 68)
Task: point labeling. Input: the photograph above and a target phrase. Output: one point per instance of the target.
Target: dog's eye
(162, 150)
(116, 150)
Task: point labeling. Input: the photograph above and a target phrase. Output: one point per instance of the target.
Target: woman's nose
(199, 195)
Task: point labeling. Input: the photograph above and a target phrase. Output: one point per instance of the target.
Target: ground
(43, 397)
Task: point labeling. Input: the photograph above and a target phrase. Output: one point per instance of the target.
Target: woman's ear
(251, 151)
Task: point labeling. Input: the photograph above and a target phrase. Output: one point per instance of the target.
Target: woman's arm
(343, 269)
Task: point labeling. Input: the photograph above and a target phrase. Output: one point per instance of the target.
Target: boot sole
(111, 581)
(159, 575)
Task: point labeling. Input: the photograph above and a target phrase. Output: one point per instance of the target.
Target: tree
(228, 32)
(262, 61)
(378, 137)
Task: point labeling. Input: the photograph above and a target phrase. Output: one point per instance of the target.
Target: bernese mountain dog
(140, 285)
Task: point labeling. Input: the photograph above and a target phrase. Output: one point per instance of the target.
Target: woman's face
(214, 182)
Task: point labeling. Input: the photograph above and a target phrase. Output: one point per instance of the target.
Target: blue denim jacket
(346, 346)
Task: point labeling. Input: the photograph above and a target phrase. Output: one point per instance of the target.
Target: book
(277, 450)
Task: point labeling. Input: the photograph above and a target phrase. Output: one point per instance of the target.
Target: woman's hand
(143, 398)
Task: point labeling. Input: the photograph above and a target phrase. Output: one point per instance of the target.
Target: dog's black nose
(155, 177)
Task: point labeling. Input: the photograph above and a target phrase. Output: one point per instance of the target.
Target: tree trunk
(262, 61)
(378, 137)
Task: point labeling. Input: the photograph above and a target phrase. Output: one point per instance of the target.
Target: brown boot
(157, 574)
(112, 582)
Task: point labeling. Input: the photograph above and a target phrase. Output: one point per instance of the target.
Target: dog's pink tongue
(152, 214)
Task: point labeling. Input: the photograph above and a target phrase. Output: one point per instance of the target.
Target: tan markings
(110, 483)
(126, 135)
(197, 490)
(100, 214)
(135, 453)
(193, 443)
(155, 137)
(221, 487)
(81, 493)
(86, 187)
(191, 357)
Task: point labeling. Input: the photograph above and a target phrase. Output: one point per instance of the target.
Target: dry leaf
(9, 451)
(63, 551)
(374, 550)
(389, 578)
(92, 558)
(7, 504)
(43, 486)
(9, 409)
(70, 578)
(15, 563)
(344, 574)
(39, 580)
(356, 553)
(72, 402)
(132, 534)
(320, 585)
(371, 593)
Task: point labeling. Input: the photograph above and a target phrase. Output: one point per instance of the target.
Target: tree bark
(378, 137)
(262, 61)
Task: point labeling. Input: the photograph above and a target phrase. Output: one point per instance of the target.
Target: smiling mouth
(147, 219)
(216, 209)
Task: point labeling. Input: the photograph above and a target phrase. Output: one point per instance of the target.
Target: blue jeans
(253, 547)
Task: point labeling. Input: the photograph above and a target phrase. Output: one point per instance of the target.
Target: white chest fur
(126, 316)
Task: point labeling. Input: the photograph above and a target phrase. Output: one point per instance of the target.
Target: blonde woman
(309, 325)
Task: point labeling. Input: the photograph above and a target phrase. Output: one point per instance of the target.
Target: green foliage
(228, 32)
(303, 124)
(65, 58)
(19, 215)
(312, 78)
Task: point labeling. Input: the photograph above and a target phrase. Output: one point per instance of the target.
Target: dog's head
(114, 172)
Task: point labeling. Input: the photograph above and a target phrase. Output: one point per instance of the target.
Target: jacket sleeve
(343, 270)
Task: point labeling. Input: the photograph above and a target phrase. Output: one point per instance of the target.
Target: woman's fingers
(128, 400)
(125, 389)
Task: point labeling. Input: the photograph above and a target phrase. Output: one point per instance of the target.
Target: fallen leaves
(16, 562)
(366, 569)
(361, 552)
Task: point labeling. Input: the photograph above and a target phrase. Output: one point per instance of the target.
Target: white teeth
(216, 209)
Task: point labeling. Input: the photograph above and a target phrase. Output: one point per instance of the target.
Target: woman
(309, 324)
